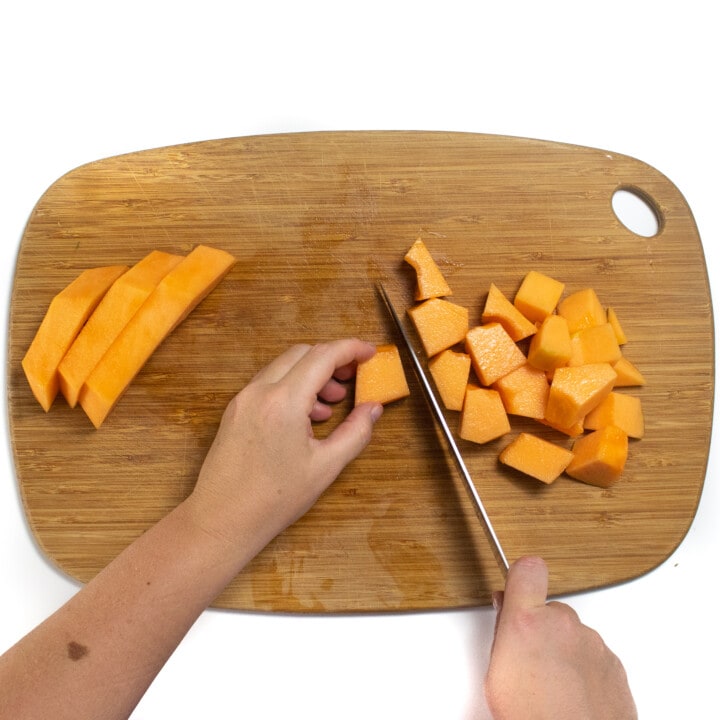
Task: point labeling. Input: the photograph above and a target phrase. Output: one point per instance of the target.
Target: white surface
(84, 80)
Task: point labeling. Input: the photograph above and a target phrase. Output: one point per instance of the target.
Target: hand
(545, 663)
(266, 468)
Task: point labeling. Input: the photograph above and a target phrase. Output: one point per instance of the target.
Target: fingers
(527, 585)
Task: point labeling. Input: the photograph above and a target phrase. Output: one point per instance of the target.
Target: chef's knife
(440, 418)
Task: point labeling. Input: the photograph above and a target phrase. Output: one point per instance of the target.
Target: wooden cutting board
(315, 219)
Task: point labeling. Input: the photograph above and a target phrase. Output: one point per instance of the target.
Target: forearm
(97, 655)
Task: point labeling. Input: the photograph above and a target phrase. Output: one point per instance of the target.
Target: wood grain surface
(315, 219)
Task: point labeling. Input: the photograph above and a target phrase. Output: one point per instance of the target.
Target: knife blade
(440, 418)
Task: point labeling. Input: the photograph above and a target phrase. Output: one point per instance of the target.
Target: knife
(440, 418)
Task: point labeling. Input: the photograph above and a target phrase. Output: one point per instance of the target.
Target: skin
(96, 656)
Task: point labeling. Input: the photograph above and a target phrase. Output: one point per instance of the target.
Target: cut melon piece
(538, 296)
(551, 346)
(483, 416)
(381, 378)
(524, 392)
(612, 318)
(493, 352)
(116, 308)
(538, 458)
(176, 295)
(440, 324)
(67, 313)
(582, 310)
(430, 281)
(597, 344)
(599, 458)
(627, 374)
(620, 410)
(450, 370)
(499, 309)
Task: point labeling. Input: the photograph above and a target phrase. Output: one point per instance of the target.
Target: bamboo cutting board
(315, 219)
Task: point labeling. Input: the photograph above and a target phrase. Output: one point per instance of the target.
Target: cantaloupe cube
(597, 344)
(493, 352)
(499, 309)
(620, 410)
(116, 308)
(440, 324)
(524, 392)
(67, 313)
(575, 391)
(538, 296)
(550, 347)
(599, 458)
(483, 416)
(450, 370)
(627, 374)
(381, 378)
(430, 280)
(538, 458)
(612, 318)
(582, 310)
(575, 430)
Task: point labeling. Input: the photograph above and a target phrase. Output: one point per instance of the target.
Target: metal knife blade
(440, 418)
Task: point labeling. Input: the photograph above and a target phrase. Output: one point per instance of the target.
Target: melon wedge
(176, 295)
(116, 308)
(67, 313)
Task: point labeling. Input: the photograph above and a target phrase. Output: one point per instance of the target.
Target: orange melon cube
(620, 410)
(597, 344)
(538, 458)
(612, 318)
(381, 378)
(582, 310)
(116, 308)
(499, 309)
(599, 458)
(575, 391)
(575, 430)
(430, 280)
(440, 324)
(493, 352)
(524, 392)
(538, 296)
(550, 347)
(627, 374)
(67, 313)
(450, 370)
(483, 416)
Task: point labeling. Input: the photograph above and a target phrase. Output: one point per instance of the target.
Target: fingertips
(527, 584)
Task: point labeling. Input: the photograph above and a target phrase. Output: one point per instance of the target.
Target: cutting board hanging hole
(636, 212)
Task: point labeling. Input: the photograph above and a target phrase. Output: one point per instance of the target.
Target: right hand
(545, 664)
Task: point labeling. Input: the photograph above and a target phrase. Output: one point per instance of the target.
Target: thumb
(349, 438)
(526, 586)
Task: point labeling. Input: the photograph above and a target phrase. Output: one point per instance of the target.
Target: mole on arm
(76, 651)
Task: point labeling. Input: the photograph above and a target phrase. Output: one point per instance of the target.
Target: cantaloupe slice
(431, 282)
(499, 309)
(67, 313)
(493, 352)
(612, 318)
(597, 344)
(116, 308)
(450, 370)
(621, 410)
(381, 378)
(627, 374)
(176, 295)
(483, 416)
(582, 310)
(550, 347)
(575, 391)
(538, 458)
(524, 392)
(599, 458)
(538, 295)
(440, 324)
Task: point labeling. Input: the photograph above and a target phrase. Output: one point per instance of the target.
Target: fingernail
(376, 412)
(497, 600)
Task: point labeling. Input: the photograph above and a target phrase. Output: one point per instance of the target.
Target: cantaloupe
(627, 374)
(550, 347)
(493, 352)
(612, 318)
(499, 309)
(116, 308)
(575, 391)
(431, 282)
(483, 416)
(538, 295)
(621, 410)
(382, 377)
(175, 296)
(599, 458)
(450, 370)
(596, 344)
(524, 392)
(67, 313)
(536, 457)
(440, 324)
(582, 310)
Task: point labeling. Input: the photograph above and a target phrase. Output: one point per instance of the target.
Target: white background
(86, 80)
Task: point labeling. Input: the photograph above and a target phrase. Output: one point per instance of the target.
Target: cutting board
(315, 219)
